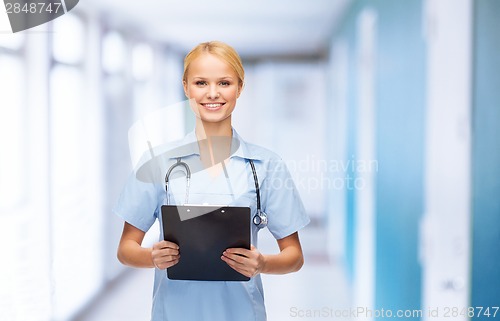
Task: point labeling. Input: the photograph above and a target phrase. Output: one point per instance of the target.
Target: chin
(214, 119)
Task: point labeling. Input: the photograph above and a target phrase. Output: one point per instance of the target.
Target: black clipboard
(203, 232)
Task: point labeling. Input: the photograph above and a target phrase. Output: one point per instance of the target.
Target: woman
(213, 80)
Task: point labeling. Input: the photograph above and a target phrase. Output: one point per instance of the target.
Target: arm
(130, 252)
(252, 262)
(290, 259)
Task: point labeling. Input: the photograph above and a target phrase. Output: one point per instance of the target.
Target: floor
(318, 291)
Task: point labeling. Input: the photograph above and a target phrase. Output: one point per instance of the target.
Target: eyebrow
(221, 78)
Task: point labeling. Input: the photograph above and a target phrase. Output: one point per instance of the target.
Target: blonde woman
(213, 79)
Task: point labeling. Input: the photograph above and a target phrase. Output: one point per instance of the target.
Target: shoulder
(259, 153)
(252, 151)
(267, 162)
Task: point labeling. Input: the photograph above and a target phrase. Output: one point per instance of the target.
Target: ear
(184, 85)
(240, 89)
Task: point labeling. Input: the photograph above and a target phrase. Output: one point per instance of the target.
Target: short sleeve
(138, 203)
(283, 205)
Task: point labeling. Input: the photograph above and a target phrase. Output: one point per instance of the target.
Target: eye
(225, 83)
(200, 83)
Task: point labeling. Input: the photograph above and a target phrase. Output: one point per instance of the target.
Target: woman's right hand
(165, 254)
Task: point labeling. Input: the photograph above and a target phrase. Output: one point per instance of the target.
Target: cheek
(232, 94)
(193, 92)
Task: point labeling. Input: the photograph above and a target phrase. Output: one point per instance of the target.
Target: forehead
(208, 65)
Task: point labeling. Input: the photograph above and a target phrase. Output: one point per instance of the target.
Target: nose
(212, 93)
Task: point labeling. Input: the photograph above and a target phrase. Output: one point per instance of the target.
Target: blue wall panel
(347, 32)
(400, 110)
(400, 105)
(486, 156)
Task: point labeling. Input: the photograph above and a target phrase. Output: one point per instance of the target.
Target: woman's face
(214, 85)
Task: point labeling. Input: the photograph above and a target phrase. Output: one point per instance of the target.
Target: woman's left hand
(247, 262)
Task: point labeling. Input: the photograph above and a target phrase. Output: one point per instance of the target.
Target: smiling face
(215, 87)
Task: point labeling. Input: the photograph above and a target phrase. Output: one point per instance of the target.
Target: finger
(160, 261)
(243, 260)
(167, 244)
(241, 264)
(166, 259)
(236, 257)
(164, 245)
(171, 245)
(160, 245)
(172, 263)
(239, 251)
(237, 267)
(166, 265)
(164, 252)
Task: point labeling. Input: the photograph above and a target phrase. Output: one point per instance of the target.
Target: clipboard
(203, 232)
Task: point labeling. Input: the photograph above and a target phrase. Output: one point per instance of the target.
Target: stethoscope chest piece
(260, 219)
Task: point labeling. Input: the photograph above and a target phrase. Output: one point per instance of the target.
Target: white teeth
(213, 105)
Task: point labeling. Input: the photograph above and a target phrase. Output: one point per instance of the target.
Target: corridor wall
(398, 130)
(400, 122)
(486, 157)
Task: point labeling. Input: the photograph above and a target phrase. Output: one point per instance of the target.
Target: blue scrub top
(144, 194)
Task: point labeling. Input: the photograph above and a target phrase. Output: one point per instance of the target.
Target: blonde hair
(220, 50)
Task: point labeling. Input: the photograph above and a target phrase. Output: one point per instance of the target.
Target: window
(114, 53)
(142, 62)
(75, 176)
(24, 295)
(12, 131)
(12, 41)
(68, 39)
(146, 88)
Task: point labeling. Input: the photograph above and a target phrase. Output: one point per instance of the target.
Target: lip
(213, 106)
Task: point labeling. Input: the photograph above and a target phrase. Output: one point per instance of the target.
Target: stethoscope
(259, 219)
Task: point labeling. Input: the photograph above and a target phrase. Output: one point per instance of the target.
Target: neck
(214, 141)
(206, 130)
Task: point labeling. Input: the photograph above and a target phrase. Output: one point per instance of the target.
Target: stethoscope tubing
(188, 177)
(259, 219)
